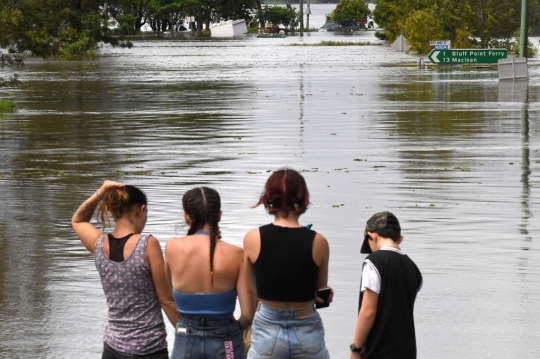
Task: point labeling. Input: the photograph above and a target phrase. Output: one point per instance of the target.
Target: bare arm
(154, 255)
(167, 268)
(252, 246)
(87, 232)
(366, 318)
(321, 256)
(245, 296)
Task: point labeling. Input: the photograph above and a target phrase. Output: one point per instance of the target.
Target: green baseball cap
(378, 221)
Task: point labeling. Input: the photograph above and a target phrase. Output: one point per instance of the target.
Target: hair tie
(296, 205)
(270, 205)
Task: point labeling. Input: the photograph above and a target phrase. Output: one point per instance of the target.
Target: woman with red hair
(286, 263)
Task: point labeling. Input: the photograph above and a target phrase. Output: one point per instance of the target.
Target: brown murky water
(454, 156)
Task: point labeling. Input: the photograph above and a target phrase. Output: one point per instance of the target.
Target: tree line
(467, 23)
(72, 29)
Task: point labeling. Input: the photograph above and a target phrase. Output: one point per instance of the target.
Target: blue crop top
(219, 305)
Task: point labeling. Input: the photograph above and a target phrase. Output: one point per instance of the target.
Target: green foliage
(381, 35)
(513, 46)
(348, 11)
(388, 14)
(55, 28)
(463, 39)
(465, 22)
(6, 105)
(73, 29)
(279, 15)
(420, 27)
(129, 15)
(164, 15)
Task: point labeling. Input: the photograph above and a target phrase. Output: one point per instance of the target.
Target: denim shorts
(209, 338)
(279, 333)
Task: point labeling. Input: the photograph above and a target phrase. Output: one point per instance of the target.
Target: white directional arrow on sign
(433, 56)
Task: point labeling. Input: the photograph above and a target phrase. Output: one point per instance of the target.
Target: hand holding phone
(324, 294)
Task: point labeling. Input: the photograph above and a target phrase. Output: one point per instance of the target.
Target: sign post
(441, 44)
(467, 56)
(524, 38)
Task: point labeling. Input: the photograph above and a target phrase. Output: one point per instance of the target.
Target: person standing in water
(285, 264)
(207, 275)
(131, 268)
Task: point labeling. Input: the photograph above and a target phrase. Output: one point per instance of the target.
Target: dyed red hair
(285, 191)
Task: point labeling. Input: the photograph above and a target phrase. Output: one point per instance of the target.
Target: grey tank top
(135, 324)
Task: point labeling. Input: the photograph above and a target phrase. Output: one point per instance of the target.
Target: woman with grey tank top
(131, 268)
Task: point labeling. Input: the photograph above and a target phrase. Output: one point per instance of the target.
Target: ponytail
(118, 203)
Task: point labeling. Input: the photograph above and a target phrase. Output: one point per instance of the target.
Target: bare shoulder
(321, 250)
(252, 236)
(320, 240)
(231, 248)
(153, 244)
(175, 243)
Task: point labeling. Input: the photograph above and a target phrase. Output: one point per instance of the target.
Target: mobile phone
(323, 293)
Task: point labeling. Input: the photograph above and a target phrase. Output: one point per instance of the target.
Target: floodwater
(454, 154)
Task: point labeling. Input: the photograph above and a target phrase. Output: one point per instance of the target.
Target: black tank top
(285, 270)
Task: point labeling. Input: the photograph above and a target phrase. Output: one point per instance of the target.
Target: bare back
(188, 263)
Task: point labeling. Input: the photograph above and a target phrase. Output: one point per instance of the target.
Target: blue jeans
(279, 333)
(208, 338)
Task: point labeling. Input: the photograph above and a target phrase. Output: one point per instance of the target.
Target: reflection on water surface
(438, 147)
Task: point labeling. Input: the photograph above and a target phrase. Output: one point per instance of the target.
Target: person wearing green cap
(388, 289)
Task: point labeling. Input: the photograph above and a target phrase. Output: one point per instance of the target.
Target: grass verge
(6, 105)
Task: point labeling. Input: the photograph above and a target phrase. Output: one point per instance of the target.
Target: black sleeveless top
(285, 270)
(392, 334)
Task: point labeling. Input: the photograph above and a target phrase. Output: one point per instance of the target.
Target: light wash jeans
(279, 333)
(209, 338)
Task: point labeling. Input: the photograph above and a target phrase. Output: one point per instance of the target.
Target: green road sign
(467, 56)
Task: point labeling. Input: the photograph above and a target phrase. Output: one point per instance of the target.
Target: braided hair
(202, 205)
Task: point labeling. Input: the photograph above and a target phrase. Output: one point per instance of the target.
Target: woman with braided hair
(207, 275)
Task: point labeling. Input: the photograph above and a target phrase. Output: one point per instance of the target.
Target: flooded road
(451, 152)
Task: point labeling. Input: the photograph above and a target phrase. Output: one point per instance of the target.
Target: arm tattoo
(85, 212)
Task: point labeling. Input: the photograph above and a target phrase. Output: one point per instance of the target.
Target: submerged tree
(73, 29)
(348, 11)
(279, 15)
(130, 15)
(66, 29)
(464, 22)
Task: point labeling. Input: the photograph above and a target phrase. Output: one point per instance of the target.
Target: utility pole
(301, 15)
(308, 12)
(524, 38)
